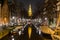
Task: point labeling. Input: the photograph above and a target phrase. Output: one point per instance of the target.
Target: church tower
(30, 11)
(5, 12)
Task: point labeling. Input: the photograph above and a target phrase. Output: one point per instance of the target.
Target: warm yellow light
(30, 11)
(29, 31)
(5, 20)
(58, 20)
(0, 20)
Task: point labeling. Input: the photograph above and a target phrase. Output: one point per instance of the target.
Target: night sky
(32, 2)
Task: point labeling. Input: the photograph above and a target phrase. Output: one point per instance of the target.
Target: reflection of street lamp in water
(12, 37)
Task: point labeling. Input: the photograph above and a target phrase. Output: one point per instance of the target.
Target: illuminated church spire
(30, 11)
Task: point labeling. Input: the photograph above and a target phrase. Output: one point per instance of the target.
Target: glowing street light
(19, 32)
(13, 17)
(12, 37)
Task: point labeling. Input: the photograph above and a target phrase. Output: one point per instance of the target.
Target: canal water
(25, 36)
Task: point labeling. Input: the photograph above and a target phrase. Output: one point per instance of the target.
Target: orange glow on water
(29, 31)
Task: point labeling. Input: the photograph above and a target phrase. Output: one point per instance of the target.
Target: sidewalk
(3, 33)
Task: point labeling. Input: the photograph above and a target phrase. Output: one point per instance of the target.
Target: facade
(0, 13)
(5, 12)
(0, 18)
(58, 13)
